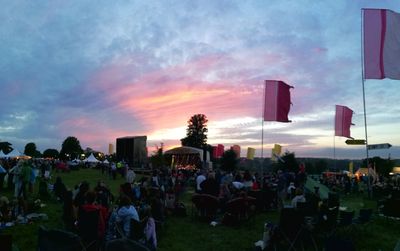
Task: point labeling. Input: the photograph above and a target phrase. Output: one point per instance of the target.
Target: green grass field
(187, 233)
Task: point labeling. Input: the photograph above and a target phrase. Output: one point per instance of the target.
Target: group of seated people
(115, 215)
(144, 203)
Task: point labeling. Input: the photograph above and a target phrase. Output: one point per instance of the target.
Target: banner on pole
(276, 152)
(343, 118)
(277, 101)
(381, 29)
(250, 153)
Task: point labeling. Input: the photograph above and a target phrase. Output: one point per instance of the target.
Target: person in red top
(90, 206)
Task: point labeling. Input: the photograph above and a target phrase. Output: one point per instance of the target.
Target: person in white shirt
(290, 190)
(200, 178)
(298, 198)
(130, 176)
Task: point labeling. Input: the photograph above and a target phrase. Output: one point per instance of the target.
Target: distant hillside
(331, 164)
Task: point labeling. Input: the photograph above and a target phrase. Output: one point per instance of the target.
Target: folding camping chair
(364, 215)
(56, 239)
(6, 242)
(346, 222)
(88, 223)
(292, 230)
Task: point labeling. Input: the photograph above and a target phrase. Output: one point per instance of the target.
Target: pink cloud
(168, 97)
(220, 86)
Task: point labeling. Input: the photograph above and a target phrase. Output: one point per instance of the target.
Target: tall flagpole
(262, 137)
(334, 139)
(334, 150)
(365, 110)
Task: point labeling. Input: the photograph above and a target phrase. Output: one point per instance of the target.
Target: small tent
(91, 159)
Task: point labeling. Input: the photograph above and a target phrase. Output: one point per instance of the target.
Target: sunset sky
(98, 70)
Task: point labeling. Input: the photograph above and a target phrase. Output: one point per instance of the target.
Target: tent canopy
(185, 150)
(91, 158)
(186, 157)
(15, 154)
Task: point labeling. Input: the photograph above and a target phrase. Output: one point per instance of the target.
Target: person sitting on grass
(150, 229)
(59, 189)
(125, 213)
(5, 210)
(103, 194)
(89, 206)
(79, 199)
(210, 185)
(69, 213)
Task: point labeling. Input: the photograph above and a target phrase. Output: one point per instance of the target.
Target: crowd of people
(147, 200)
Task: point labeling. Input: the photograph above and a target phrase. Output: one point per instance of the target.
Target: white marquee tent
(91, 158)
(15, 154)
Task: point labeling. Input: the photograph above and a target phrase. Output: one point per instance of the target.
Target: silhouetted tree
(288, 162)
(5, 147)
(382, 166)
(51, 153)
(157, 159)
(196, 133)
(71, 148)
(30, 150)
(321, 166)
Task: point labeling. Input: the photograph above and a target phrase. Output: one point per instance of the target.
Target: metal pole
(334, 139)
(364, 105)
(262, 139)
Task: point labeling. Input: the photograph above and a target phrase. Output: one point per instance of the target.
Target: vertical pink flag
(343, 118)
(381, 44)
(277, 101)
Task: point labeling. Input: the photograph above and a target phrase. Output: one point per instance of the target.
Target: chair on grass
(257, 194)
(88, 228)
(327, 222)
(365, 215)
(346, 224)
(391, 207)
(56, 239)
(346, 218)
(238, 211)
(206, 206)
(304, 208)
(290, 229)
(197, 204)
(6, 242)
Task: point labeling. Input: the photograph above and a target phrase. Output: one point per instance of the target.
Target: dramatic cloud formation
(110, 69)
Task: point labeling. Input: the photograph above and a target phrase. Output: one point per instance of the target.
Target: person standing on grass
(3, 173)
(16, 172)
(113, 168)
(25, 176)
(199, 179)
(130, 176)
